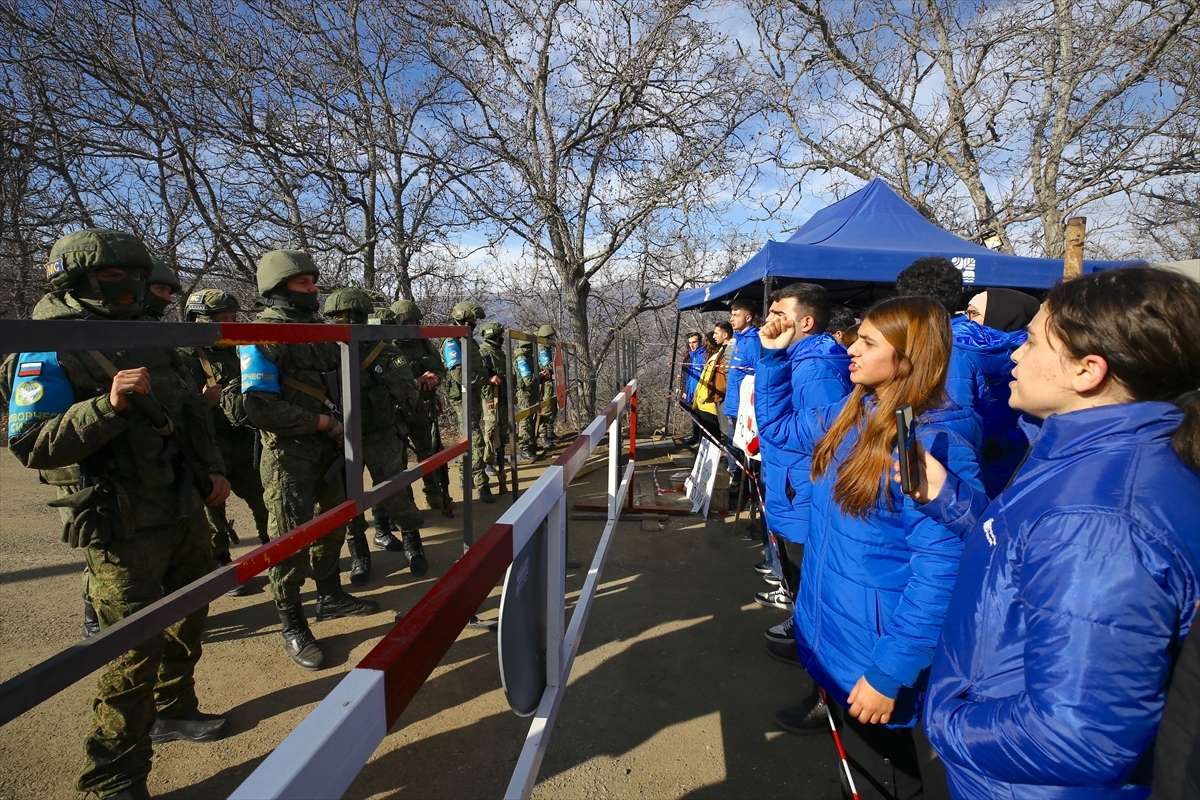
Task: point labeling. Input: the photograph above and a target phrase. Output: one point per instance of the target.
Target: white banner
(745, 431)
(699, 484)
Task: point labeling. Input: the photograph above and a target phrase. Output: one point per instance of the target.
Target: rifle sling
(206, 365)
(110, 369)
(370, 359)
(311, 391)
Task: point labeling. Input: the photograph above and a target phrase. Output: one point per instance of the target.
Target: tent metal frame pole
(678, 373)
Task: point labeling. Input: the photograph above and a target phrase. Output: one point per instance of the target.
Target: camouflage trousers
(156, 677)
(550, 415)
(295, 493)
(494, 422)
(525, 426)
(384, 454)
(479, 478)
(420, 434)
(237, 451)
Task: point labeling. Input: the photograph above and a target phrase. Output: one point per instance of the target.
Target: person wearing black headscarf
(1003, 309)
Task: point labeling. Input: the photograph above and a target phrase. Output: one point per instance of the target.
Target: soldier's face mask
(155, 302)
(118, 291)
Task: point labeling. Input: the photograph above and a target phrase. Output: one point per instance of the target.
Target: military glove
(335, 431)
(97, 517)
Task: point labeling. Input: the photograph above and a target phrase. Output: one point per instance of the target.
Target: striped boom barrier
(46, 679)
(324, 754)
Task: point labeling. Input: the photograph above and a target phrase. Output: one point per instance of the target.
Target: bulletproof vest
(226, 370)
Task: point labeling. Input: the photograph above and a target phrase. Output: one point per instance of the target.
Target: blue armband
(544, 357)
(523, 368)
(259, 373)
(39, 391)
(451, 353)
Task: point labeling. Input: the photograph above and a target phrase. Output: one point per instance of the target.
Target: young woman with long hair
(1079, 581)
(877, 573)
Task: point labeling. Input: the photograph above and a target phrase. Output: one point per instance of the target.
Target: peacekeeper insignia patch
(259, 373)
(54, 268)
(523, 367)
(451, 353)
(40, 391)
(544, 356)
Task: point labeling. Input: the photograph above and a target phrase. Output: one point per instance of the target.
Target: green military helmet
(356, 301)
(162, 273)
(278, 266)
(83, 252)
(546, 330)
(204, 303)
(467, 310)
(493, 331)
(383, 315)
(407, 311)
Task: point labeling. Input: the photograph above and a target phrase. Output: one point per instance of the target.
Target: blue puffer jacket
(820, 376)
(694, 366)
(980, 369)
(872, 592)
(1076, 587)
(746, 348)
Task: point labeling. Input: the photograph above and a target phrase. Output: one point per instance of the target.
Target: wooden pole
(1073, 258)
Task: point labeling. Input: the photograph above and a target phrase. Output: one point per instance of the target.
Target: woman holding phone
(877, 573)
(1079, 581)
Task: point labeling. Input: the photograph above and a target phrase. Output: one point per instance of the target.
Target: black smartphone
(906, 449)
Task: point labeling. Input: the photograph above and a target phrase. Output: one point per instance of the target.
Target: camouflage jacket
(452, 358)
(525, 370)
(60, 417)
(388, 385)
(287, 416)
(225, 370)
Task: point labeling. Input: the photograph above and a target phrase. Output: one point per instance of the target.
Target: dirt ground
(672, 694)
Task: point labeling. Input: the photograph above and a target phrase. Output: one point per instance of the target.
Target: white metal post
(352, 418)
(614, 453)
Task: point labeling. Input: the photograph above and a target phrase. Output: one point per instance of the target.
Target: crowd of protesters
(1026, 599)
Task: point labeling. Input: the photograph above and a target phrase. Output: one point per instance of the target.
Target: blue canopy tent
(857, 246)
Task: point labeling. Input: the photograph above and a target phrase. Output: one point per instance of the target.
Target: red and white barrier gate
(321, 758)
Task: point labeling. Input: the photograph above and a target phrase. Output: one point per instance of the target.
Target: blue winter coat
(980, 370)
(873, 591)
(820, 376)
(695, 366)
(746, 349)
(1076, 587)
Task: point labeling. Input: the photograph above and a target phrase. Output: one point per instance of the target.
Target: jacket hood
(1104, 428)
(62, 305)
(821, 345)
(970, 335)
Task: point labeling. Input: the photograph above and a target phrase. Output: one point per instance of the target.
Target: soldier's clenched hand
(428, 381)
(212, 394)
(333, 429)
(220, 490)
(128, 380)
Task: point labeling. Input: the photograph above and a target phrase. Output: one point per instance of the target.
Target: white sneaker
(776, 598)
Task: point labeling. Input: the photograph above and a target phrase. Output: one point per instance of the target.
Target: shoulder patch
(40, 391)
(259, 373)
(523, 367)
(54, 268)
(544, 358)
(451, 353)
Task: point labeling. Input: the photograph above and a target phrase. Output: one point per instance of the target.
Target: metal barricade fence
(42, 681)
(323, 755)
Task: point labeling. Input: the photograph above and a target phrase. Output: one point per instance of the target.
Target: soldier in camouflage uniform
(217, 369)
(387, 386)
(284, 395)
(422, 428)
(161, 288)
(529, 392)
(467, 313)
(71, 418)
(545, 354)
(493, 394)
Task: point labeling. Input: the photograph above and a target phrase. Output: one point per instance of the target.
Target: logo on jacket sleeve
(523, 368)
(987, 531)
(259, 373)
(40, 391)
(451, 353)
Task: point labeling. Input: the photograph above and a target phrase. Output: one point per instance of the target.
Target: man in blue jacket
(819, 377)
(693, 366)
(744, 353)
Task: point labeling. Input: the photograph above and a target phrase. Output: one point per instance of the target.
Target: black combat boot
(136, 792)
(485, 494)
(91, 623)
(298, 641)
(333, 603)
(384, 539)
(360, 559)
(545, 442)
(415, 551)
(527, 454)
(194, 727)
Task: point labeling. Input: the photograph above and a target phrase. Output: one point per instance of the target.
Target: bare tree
(585, 123)
(1020, 112)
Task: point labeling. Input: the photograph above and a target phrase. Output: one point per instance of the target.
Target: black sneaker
(762, 568)
(788, 652)
(194, 727)
(776, 598)
(782, 632)
(773, 579)
(805, 719)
